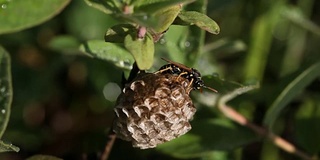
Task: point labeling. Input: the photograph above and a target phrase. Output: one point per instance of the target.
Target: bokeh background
(63, 100)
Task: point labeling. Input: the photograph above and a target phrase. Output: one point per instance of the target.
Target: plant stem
(275, 139)
(112, 137)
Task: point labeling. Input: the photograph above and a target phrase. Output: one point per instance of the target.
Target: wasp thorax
(153, 109)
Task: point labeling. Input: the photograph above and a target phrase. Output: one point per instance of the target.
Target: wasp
(181, 70)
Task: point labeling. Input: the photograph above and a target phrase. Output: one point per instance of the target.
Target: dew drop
(3, 111)
(187, 44)
(162, 41)
(4, 6)
(145, 17)
(3, 89)
(215, 75)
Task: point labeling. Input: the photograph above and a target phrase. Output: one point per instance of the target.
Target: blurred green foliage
(61, 106)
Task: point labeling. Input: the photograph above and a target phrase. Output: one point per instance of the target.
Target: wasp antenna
(210, 89)
(166, 60)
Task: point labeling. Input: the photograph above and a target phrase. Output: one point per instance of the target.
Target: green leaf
(66, 44)
(117, 33)
(19, 15)
(166, 17)
(109, 52)
(5, 98)
(142, 50)
(290, 91)
(307, 128)
(200, 20)
(8, 147)
(43, 157)
(86, 23)
(295, 15)
(206, 136)
(5, 89)
(141, 19)
(105, 6)
(261, 41)
(157, 5)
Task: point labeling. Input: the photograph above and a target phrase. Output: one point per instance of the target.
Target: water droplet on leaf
(215, 75)
(4, 6)
(3, 89)
(187, 44)
(162, 41)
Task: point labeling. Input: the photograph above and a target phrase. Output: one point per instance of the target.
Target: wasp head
(195, 73)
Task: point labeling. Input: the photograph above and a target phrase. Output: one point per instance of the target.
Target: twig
(277, 140)
(109, 145)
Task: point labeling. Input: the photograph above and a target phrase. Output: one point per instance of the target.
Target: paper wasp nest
(153, 109)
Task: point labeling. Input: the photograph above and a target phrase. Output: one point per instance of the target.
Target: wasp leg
(191, 82)
(183, 73)
(163, 70)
